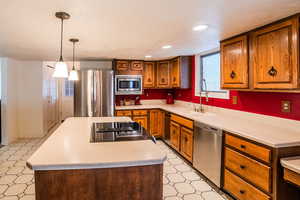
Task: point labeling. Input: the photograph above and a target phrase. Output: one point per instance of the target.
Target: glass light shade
(61, 70)
(73, 75)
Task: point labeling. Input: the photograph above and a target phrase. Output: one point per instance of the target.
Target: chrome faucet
(206, 95)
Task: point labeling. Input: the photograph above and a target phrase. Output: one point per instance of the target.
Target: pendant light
(61, 68)
(73, 73)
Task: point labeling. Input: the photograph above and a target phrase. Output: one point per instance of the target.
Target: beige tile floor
(17, 182)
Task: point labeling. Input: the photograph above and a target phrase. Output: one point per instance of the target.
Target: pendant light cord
(73, 56)
(61, 40)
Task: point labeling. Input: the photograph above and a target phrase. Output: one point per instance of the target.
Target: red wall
(256, 102)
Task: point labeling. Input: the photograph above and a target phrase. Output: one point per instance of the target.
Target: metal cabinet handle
(232, 74)
(272, 71)
(243, 146)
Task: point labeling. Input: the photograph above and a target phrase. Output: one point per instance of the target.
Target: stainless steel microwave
(128, 84)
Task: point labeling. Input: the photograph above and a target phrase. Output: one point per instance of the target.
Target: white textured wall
(30, 99)
(9, 107)
(95, 64)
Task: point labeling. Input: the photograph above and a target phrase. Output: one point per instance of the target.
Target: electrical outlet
(234, 100)
(286, 106)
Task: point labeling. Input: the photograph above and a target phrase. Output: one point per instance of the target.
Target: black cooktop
(118, 131)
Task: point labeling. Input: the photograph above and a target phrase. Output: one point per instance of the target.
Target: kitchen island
(68, 166)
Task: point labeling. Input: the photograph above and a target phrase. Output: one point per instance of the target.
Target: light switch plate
(286, 106)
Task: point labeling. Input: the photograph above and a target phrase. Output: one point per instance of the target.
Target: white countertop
(291, 163)
(69, 147)
(272, 131)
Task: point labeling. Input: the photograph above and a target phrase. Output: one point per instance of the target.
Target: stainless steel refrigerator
(94, 94)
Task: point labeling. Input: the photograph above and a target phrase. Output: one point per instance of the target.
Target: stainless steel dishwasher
(208, 152)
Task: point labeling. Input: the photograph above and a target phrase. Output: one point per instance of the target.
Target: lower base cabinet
(152, 120)
(157, 125)
(252, 171)
(175, 135)
(187, 143)
(182, 136)
(241, 189)
(142, 120)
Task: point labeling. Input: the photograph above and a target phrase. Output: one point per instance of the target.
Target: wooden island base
(124, 183)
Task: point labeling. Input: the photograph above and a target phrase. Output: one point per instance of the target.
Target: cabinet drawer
(257, 151)
(124, 113)
(253, 171)
(182, 121)
(241, 189)
(139, 112)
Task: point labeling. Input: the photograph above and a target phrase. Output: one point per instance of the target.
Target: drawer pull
(243, 146)
(242, 191)
(242, 166)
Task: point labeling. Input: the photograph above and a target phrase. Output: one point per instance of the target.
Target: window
(69, 88)
(208, 76)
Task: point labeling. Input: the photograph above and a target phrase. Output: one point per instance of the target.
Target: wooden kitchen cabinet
(263, 59)
(175, 135)
(123, 113)
(163, 74)
(157, 125)
(234, 63)
(253, 171)
(149, 75)
(142, 120)
(181, 136)
(186, 147)
(181, 72)
(122, 65)
(276, 55)
(136, 65)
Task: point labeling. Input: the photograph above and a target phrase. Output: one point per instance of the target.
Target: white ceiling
(129, 28)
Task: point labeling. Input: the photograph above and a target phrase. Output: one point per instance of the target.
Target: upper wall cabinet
(181, 72)
(175, 73)
(136, 65)
(234, 63)
(149, 74)
(276, 55)
(122, 66)
(272, 63)
(163, 74)
(129, 67)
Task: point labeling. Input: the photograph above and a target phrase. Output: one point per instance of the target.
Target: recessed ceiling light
(201, 27)
(148, 56)
(167, 47)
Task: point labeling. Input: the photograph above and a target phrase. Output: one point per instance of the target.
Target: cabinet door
(161, 123)
(275, 56)
(136, 65)
(175, 135)
(154, 122)
(234, 63)
(163, 74)
(149, 75)
(122, 65)
(142, 120)
(175, 72)
(187, 143)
